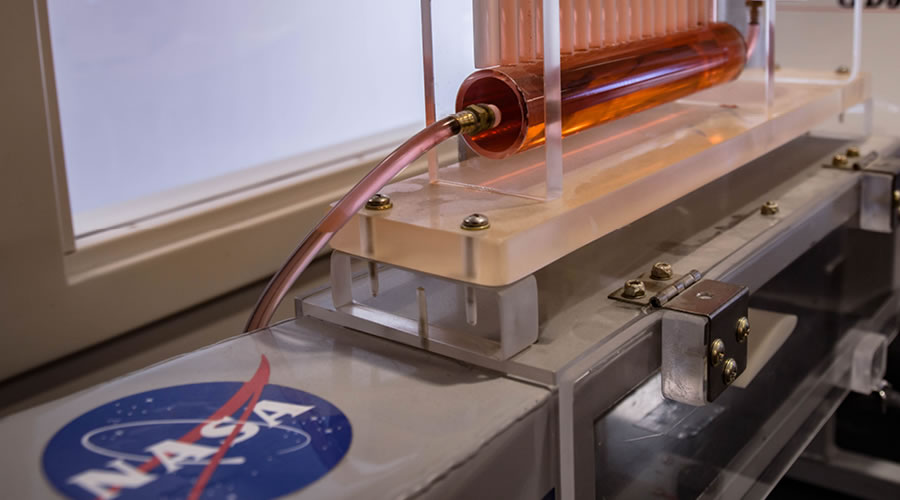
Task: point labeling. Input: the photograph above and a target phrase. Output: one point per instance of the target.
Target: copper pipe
(753, 26)
(752, 38)
(600, 85)
(471, 120)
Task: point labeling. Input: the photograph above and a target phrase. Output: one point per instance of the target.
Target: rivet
(475, 222)
(729, 371)
(743, 329)
(716, 352)
(379, 202)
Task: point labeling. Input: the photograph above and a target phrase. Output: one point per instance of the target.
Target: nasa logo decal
(227, 440)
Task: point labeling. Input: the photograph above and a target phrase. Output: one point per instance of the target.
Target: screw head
(661, 271)
(896, 196)
(634, 289)
(743, 329)
(716, 352)
(842, 70)
(852, 152)
(729, 371)
(839, 161)
(769, 208)
(475, 222)
(379, 202)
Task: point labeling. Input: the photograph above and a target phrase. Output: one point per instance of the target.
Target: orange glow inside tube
(601, 84)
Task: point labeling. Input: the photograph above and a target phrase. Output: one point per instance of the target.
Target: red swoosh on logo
(251, 390)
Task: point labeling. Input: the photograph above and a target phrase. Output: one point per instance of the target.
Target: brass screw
(634, 289)
(716, 352)
(475, 222)
(729, 371)
(661, 271)
(379, 202)
(896, 195)
(839, 161)
(852, 152)
(842, 70)
(769, 208)
(743, 329)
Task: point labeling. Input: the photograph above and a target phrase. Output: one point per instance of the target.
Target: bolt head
(769, 208)
(475, 222)
(842, 70)
(839, 161)
(634, 289)
(852, 152)
(716, 352)
(729, 371)
(743, 329)
(379, 202)
(661, 271)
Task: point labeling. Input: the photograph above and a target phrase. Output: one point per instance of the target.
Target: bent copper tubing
(752, 38)
(473, 119)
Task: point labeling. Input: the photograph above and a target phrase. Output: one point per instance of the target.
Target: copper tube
(752, 38)
(343, 210)
(601, 85)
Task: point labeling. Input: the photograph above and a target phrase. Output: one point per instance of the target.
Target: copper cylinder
(600, 85)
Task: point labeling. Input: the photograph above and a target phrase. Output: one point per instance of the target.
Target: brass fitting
(754, 6)
(476, 118)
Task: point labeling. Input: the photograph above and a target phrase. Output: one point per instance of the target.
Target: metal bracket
(879, 198)
(704, 341)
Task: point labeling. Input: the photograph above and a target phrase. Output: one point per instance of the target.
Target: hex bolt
(729, 371)
(852, 152)
(475, 222)
(716, 352)
(743, 329)
(379, 202)
(839, 161)
(661, 271)
(633, 289)
(842, 70)
(769, 208)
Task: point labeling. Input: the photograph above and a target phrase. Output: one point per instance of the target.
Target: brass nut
(475, 222)
(716, 352)
(729, 371)
(769, 208)
(661, 271)
(839, 161)
(852, 152)
(634, 289)
(379, 202)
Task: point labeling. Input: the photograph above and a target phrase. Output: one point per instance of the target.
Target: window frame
(60, 293)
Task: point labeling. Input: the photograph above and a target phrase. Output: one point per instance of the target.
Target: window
(155, 97)
(158, 154)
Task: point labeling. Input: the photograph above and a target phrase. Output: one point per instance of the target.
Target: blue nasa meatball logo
(225, 440)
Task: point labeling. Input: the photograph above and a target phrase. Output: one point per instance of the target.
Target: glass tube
(601, 85)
